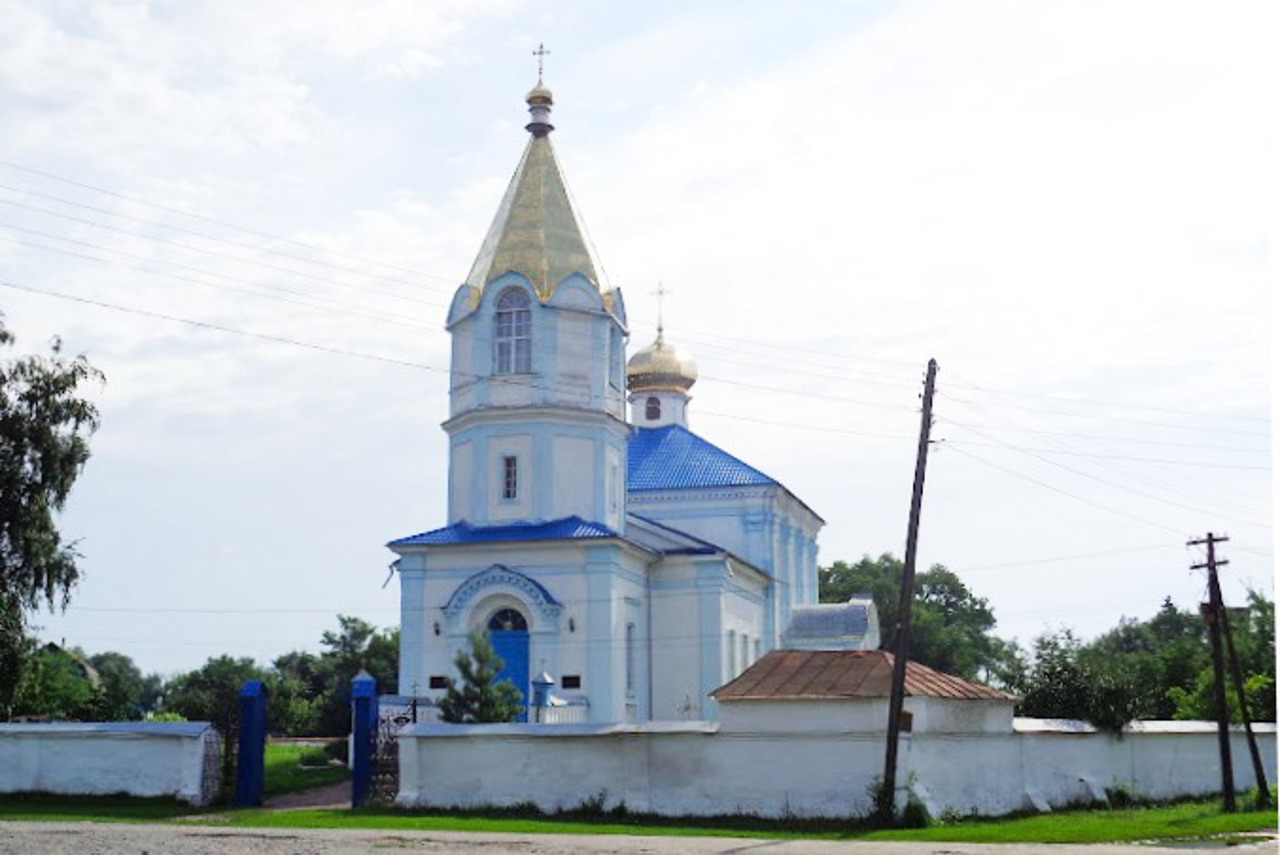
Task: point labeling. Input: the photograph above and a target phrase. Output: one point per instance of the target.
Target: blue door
(510, 637)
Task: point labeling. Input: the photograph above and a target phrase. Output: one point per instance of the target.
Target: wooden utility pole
(1213, 618)
(1259, 771)
(902, 647)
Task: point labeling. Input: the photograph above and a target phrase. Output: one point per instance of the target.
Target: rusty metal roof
(819, 674)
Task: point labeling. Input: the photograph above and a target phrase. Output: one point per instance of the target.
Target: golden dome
(660, 368)
(539, 95)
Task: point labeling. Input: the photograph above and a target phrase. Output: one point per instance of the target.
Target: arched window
(506, 620)
(513, 338)
(652, 409)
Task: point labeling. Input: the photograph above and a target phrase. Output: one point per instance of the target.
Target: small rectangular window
(510, 477)
(571, 681)
(437, 681)
(631, 657)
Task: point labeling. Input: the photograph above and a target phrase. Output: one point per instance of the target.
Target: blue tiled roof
(569, 528)
(673, 457)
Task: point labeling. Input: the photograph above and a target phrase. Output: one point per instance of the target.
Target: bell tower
(537, 425)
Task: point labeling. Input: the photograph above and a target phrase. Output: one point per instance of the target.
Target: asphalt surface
(88, 838)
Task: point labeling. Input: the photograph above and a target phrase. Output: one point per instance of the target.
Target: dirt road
(82, 838)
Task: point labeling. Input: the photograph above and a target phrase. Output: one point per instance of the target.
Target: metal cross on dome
(540, 53)
(662, 292)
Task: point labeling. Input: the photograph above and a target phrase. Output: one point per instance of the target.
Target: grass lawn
(50, 807)
(285, 772)
(1189, 819)
(1186, 820)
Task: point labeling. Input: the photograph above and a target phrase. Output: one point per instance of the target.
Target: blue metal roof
(569, 528)
(673, 457)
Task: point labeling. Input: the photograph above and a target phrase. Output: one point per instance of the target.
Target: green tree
(120, 687)
(950, 627)
(212, 692)
(1254, 630)
(355, 645)
(479, 699)
(44, 430)
(56, 684)
(1064, 682)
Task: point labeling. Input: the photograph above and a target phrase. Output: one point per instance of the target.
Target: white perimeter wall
(137, 759)
(702, 768)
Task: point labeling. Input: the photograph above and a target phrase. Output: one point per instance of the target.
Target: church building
(636, 563)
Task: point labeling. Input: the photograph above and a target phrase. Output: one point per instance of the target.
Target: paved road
(84, 838)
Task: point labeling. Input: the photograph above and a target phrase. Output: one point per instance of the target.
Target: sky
(251, 219)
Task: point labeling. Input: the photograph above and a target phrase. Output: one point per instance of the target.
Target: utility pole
(903, 646)
(1213, 618)
(1259, 772)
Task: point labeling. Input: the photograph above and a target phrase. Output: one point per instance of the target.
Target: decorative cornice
(502, 576)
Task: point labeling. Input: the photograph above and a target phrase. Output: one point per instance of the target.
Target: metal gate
(394, 713)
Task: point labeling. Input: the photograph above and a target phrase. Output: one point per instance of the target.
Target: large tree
(45, 424)
(950, 627)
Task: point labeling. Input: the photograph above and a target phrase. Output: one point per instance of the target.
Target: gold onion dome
(660, 368)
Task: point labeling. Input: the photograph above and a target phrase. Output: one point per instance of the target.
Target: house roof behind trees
(836, 674)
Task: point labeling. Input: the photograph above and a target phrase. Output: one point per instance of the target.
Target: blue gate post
(251, 769)
(364, 733)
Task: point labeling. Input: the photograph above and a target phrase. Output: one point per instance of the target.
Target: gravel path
(84, 838)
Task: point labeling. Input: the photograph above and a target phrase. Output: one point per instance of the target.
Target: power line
(402, 320)
(1006, 445)
(215, 254)
(1163, 424)
(213, 221)
(1075, 557)
(1066, 493)
(1124, 487)
(338, 351)
(1106, 438)
(1146, 476)
(1098, 403)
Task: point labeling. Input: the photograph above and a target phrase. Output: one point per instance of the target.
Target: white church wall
(767, 765)
(578, 376)
(677, 682)
(134, 758)
(571, 493)
(461, 466)
(958, 715)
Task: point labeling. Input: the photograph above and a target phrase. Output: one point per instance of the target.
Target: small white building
(590, 546)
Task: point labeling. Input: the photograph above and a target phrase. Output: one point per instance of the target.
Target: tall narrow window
(631, 657)
(513, 339)
(732, 650)
(652, 409)
(510, 477)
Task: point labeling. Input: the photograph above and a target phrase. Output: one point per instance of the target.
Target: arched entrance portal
(509, 633)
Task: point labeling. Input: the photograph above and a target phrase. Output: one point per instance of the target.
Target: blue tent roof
(569, 528)
(673, 457)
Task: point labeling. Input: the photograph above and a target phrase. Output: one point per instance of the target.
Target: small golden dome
(540, 95)
(660, 368)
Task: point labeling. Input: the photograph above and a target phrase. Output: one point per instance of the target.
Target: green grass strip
(1198, 819)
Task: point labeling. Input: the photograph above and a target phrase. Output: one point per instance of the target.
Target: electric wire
(212, 221)
(1015, 473)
